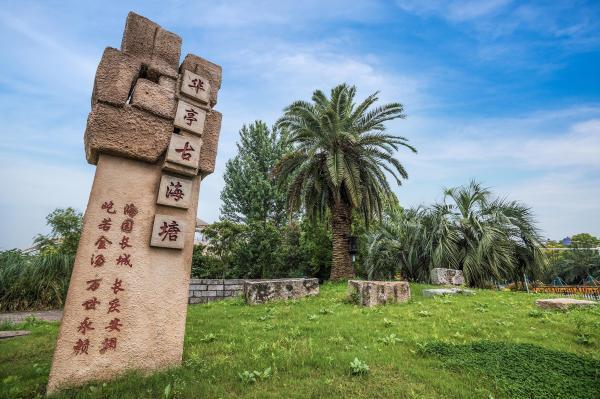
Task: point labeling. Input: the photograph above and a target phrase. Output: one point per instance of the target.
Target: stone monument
(152, 134)
(374, 293)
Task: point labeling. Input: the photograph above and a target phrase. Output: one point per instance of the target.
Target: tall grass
(34, 282)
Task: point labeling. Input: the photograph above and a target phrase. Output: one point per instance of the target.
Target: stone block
(127, 132)
(195, 86)
(138, 37)
(212, 281)
(441, 276)
(194, 301)
(167, 47)
(167, 232)
(234, 287)
(373, 293)
(184, 149)
(256, 292)
(216, 287)
(174, 191)
(154, 98)
(207, 69)
(190, 118)
(563, 303)
(197, 287)
(210, 143)
(209, 293)
(447, 291)
(115, 77)
(168, 83)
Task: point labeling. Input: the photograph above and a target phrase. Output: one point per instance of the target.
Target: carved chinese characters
(167, 232)
(183, 154)
(174, 191)
(92, 308)
(195, 86)
(190, 117)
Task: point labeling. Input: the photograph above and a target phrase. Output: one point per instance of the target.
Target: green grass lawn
(491, 345)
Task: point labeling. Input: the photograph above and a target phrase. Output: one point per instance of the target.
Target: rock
(154, 98)
(11, 334)
(562, 303)
(447, 291)
(373, 293)
(210, 142)
(440, 276)
(256, 292)
(115, 77)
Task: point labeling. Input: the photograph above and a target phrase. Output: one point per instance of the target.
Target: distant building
(199, 237)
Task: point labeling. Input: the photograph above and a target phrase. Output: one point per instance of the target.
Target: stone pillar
(153, 134)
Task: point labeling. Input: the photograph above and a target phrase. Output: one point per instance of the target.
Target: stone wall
(203, 290)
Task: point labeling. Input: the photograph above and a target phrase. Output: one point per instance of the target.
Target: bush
(34, 282)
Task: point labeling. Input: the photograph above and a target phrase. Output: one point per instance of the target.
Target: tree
(488, 238)
(66, 227)
(337, 163)
(250, 195)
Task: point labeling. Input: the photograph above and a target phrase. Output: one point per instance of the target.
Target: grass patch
(307, 349)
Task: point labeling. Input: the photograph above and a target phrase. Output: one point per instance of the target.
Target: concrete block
(447, 291)
(127, 132)
(115, 77)
(256, 292)
(373, 293)
(207, 69)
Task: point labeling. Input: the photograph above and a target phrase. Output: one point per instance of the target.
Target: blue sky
(501, 91)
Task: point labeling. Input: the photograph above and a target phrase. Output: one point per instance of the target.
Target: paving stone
(563, 303)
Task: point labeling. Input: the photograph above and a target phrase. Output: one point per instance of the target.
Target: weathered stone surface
(174, 191)
(563, 303)
(190, 117)
(168, 83)
(160, 232)
(155, 47)
(115, 77)
(447, 291)
(205, 68)
(126, 131)
(256, 292)
(154, 98)
(210, 142)
(167, 47)
(373, 293)
(441, 276)
(12, 334)
(195, 86)
(184, 149)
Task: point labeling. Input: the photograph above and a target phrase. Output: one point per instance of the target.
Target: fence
(588, 292)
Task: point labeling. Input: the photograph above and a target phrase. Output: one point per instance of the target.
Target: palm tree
(338, 163)
(489, 239)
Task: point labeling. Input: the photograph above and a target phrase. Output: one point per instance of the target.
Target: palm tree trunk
(341, 265)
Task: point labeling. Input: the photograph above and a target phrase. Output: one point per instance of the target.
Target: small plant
(535, 313)
(425, 313)
(167, 391)
(387, 323)
(325, 311)
(312, 317)
(358, 367)
(208, 338)
(251, 377)
(266, 317)
(389, 340)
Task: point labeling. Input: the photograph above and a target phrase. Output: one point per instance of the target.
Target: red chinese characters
(108, 344)
(108, 206)
(117, 286)
(90, 304)
(124, 243)
(186, 151)
(190, 116)
(85, 326)
(130, 210)
(124, 259)
(114, 305)
(197, 85)
(102, 242)
(170, 230)
(81, 346)
(127, 226)
(98, 260)
(114, 325)
(106, 224)
(174, 191)
(93, 284)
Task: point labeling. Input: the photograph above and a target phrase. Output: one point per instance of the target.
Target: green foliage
(358, 367)
(250, 194)
(575, 266)
(488, 238)
(251, 377)
(34, 282)
(66, 225)
(311, 358)
(523, 370)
